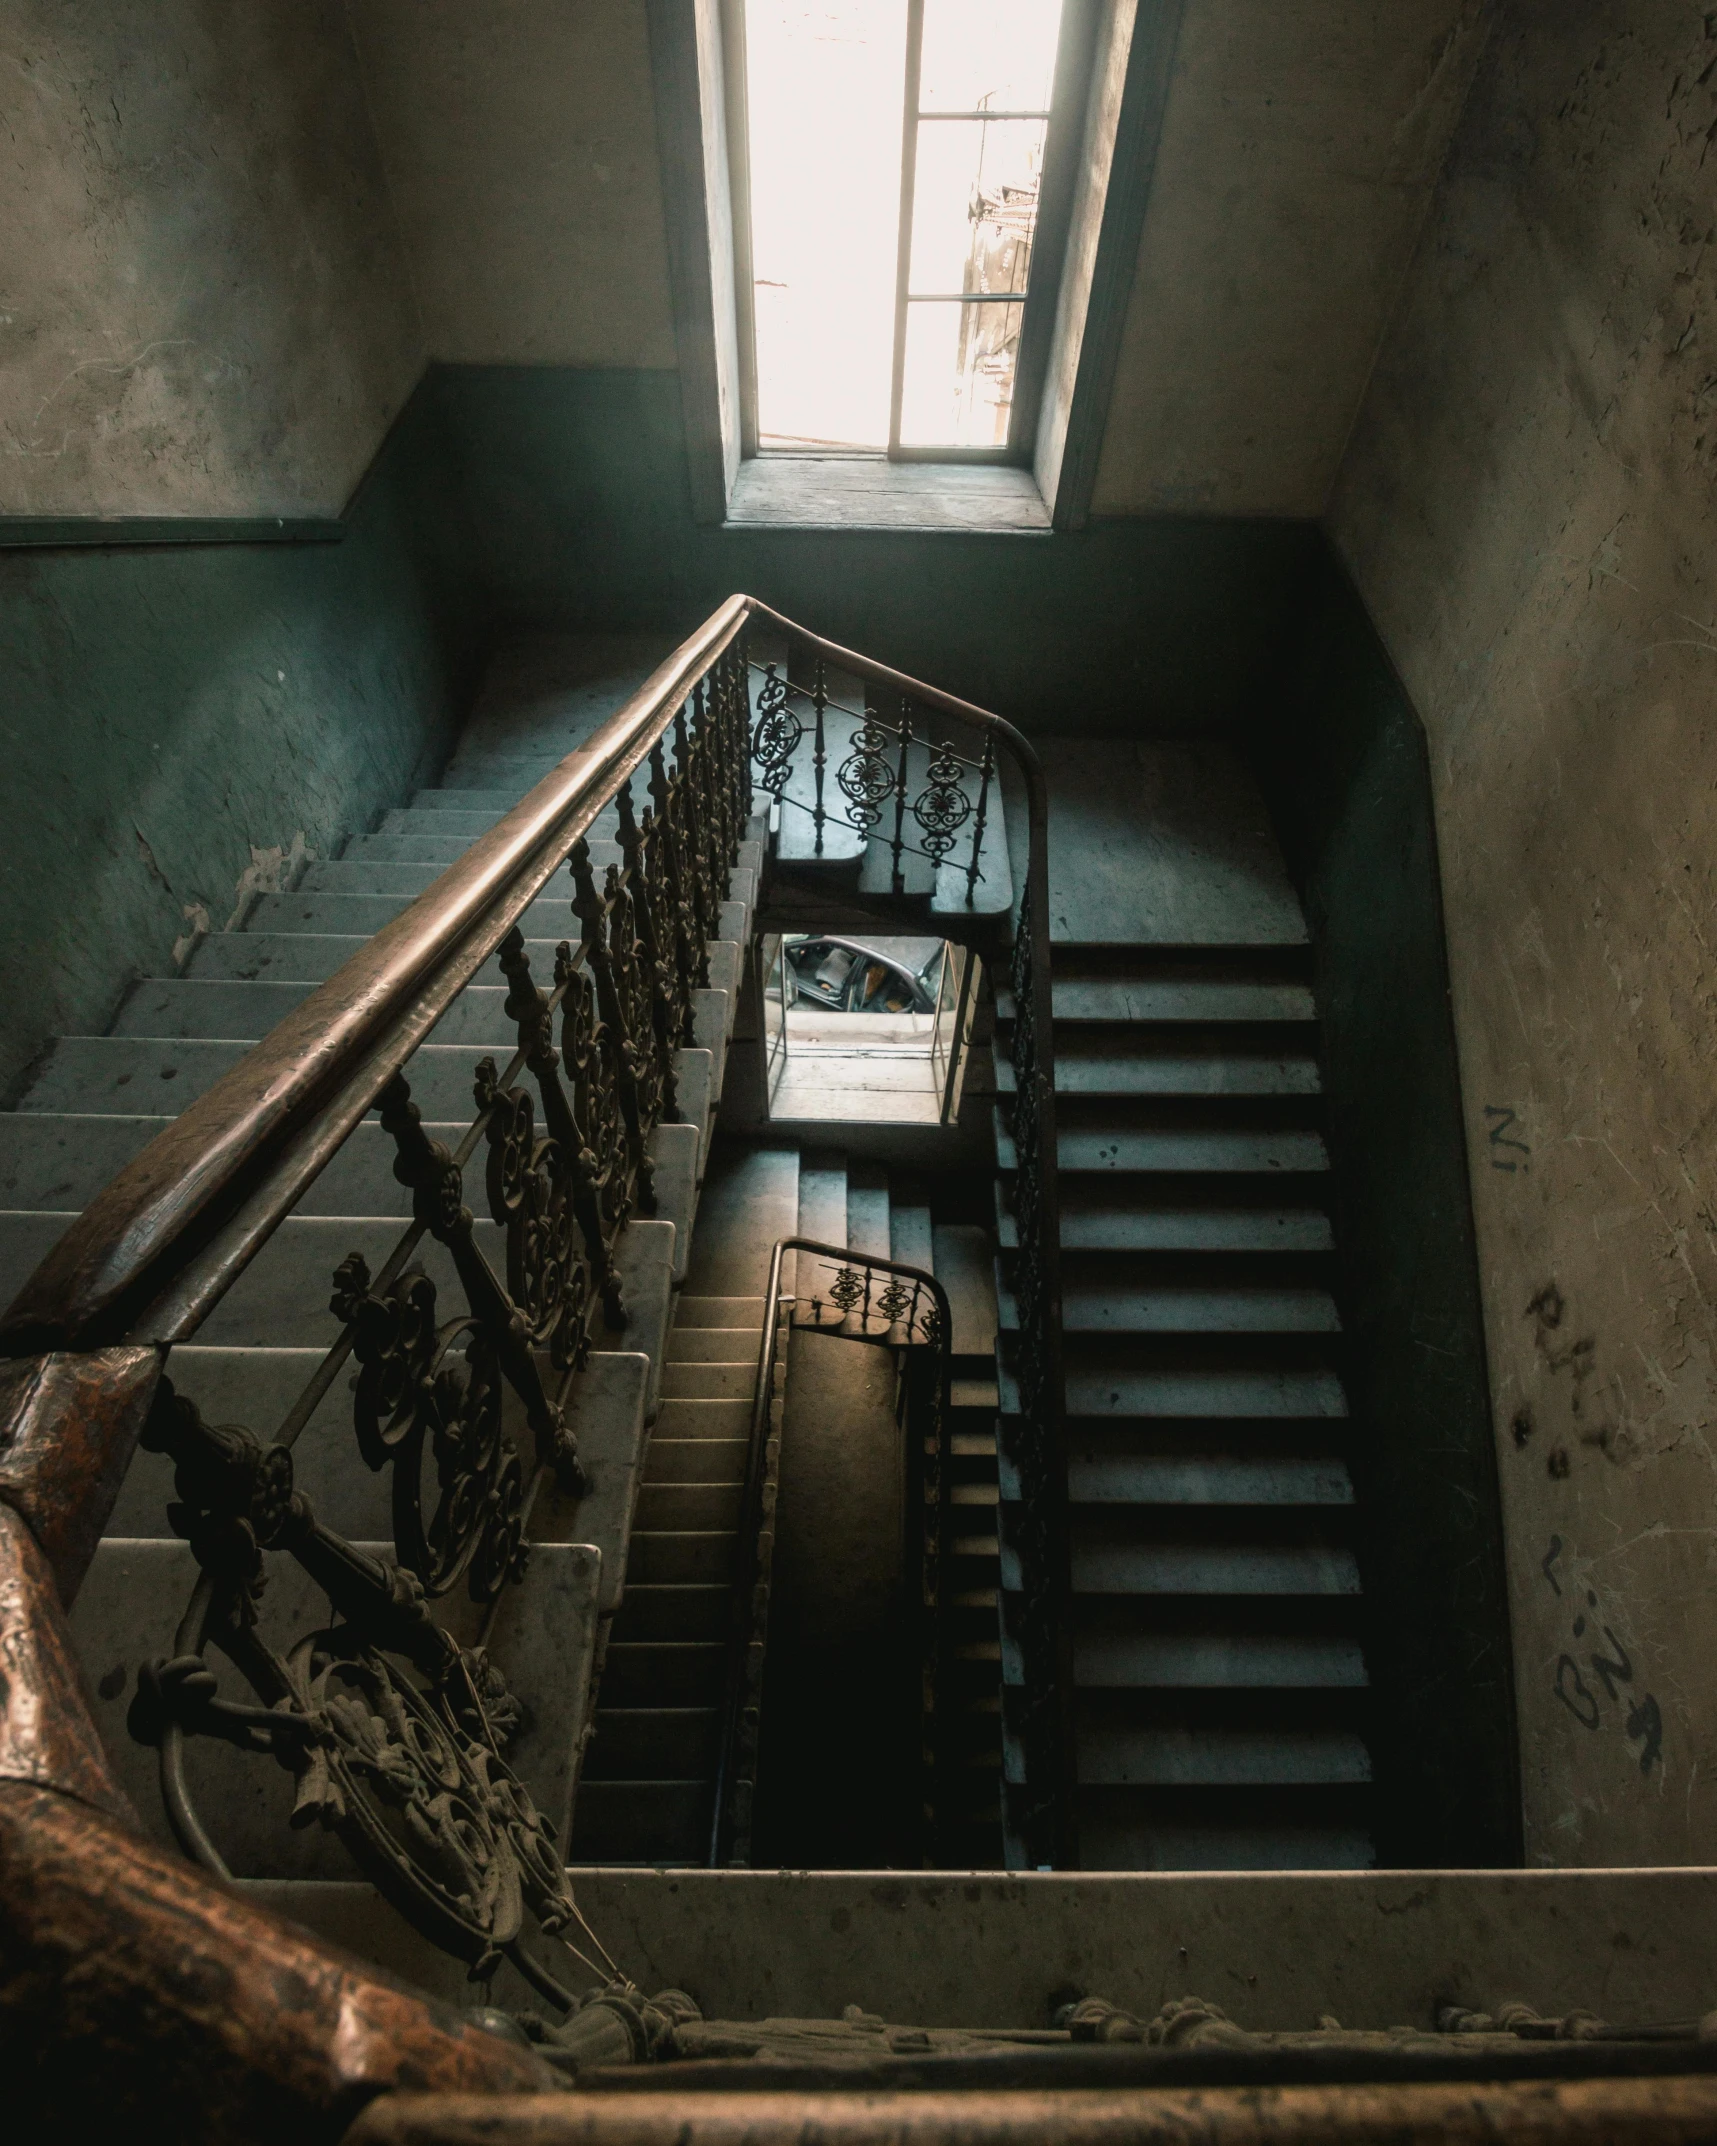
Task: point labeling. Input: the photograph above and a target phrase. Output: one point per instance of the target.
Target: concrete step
(714, 1345)
(657, 1610)
(1120, 1555)
(635, 1822)
(910, 1230)
(695, 1460)
(704, 1419)
(1179, 1151)
(1184, 998)
(1142, 1216)
(1091, 1306)
(652, 1743)
(822, 1211)
(682, 1381)
(663, 1673)
(867, 1223)
(1177, 1758)
(965, 1265)
(1181, 1062)
(685, 1557)
(750, 1199)
(1121, 1830)
(178, 1007)
(708, 1508)
(1217, 1661)
(719, 1312)
(1104, 1471)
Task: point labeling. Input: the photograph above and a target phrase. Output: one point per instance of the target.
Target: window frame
(1065, 116)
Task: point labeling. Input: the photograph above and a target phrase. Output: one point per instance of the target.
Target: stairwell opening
(865, 1029)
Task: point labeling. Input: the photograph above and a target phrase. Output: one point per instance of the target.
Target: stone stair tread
(822, 1209)
(728, 1313)
(911, 1234)
(1196, 1661)
(1090, 1308)
(1123, 1226)
(1172, 1150)
(1216, 1069)
(695, 1460)
(1215, 1478)
(1177, 1000)
(1112, 1838)
(1174, 1758)
(168, 1009)
(1171, 1566)
(1187, 1391)
(714, 1345)
(867, 1223)
(684, 1380)
(703, 1419)
(965, 1266)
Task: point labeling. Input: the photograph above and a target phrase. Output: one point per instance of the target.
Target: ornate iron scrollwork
(419, 1394)
(865, 777)
(776, 736)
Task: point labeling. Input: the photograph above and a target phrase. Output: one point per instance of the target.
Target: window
(909, 166)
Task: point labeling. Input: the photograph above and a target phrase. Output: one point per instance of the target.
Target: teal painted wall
(1342, 755)
(581, 515)
(165, 707)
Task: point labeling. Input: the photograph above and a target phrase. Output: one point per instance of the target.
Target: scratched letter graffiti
(1603, 1673)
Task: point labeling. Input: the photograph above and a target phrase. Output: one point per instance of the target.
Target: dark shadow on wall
(168, 707)
(1341, 754)
(581, 511)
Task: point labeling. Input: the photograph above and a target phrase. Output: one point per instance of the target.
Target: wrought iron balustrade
(396, 1734)
(946, 803)
(867, 1299)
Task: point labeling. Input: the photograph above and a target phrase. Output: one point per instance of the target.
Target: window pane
(974, 204)
(825, 90)
(989, 55)
(959, 380)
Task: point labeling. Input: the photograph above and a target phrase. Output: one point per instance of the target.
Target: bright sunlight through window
(896, 158)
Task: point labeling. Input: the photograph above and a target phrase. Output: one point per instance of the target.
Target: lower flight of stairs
(650, 1767)
(1220, 1684)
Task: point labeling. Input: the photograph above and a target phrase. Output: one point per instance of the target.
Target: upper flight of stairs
(1220, 1684)
(95, 1101)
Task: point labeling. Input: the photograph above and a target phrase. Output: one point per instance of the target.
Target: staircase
(1220, 1683)
(94, 1101)
(650, 1770)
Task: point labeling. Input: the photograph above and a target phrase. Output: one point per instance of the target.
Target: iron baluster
(617, 1000)
(986, 771)
(438, 1202)
(573, 1160)
(898, 875)
(820, 750)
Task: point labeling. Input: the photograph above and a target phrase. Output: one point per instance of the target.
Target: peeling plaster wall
(1299, 149)
(203, 308)
(520, 141)
(1528, 509)
(181, 723)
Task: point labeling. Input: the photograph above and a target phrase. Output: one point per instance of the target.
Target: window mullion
(908, 175)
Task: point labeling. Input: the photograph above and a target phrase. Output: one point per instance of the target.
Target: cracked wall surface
(203, 301)
(1528, 508)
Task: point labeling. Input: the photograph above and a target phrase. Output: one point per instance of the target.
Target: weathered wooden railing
(153, 1968)
(866, 1299)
